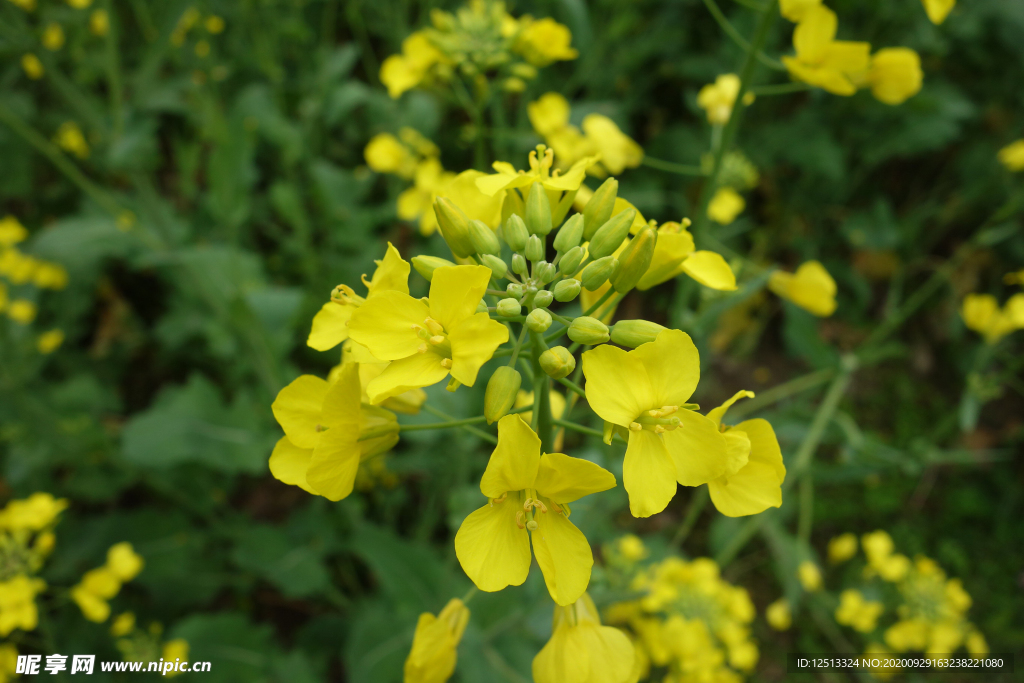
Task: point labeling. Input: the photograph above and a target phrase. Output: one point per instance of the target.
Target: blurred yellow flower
(582, 650)
(434, 645)
(617, 150)
(858, 613)
(123, 562)
(821, 60)
(675, 254)
(49, 276)
(842, 548)
(725, 205)
(810, 287)
(49, 342)
(11, 231)
(794, 10)
(214, 24)
(202, 48)
(543, 41)
(8, 662)
(1012, 156)
(895, 74)
(601, 137)
(405, 71)
(70, 138)
(809, 575)
(937, 10)
(385, 154)
(53, 37)
(981, 313)
(21, 311)
(123, 624)
(32, 66)
(34, 513)
(80, 4)
(27, 5)
(18, 604)
(718, 98)
(778, 615)
(99, 22)
(174, 650)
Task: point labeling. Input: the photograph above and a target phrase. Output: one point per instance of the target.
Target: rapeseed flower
(408, 403)
(544, 41)
(600, 137)
(779, 615)
(882, 561)
(18, 604)
(528, 498)
(35, 513)
(50, 341)
(70, 138)
(810, 287)
(857, 612)
(938, 10)
(582, 650)
(434, 654)
(99, 22)
(675, 254)
(725, 205)
(718, 98)
(809, 575)
(1012, 156)
(795, 10)
(541, 162)
(841, 548)
(53, 37)
(981, 313)
(407, 70)
(821, 60)
(174, 650)
(645, 392)
(895, 74)
(99, 585)
(32, 66)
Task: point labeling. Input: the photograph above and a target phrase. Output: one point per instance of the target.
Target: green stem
(806, 519)
(443, 425)
(518, 346)
(781, 392)
(804, 455)
(113, 60)
(698, 501)
(672, 167)
(542, 418)
(604, 297)
(470, 594)
(573, 386)
(490, 438)
(780, 89)
(579, 428)
(754, 51)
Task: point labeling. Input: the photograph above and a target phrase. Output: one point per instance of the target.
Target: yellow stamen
(436, 339)
(635, 426)
(446, 362)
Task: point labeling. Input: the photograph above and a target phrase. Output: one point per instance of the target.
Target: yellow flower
(434, 645)
(937, 10)
(49, 342)
(725, 205)
(779, 615)
(385, 154)
(174, 650)
(841, 548)
(18, 604)
(330, 324)
(795, 10)
(323, 425)
(675, 254)
(525, 398)
(507, 177)
(8, 662)
(877, 546)
(857, 612)
(645, 391)
(907, 634)
(810, 287)
(70, 138)
(631, 548)
(809, 575)
(80, 4)
(408, 403)
(548, 114)
(27, 5)
(34, 513)
(407, 70)
(11, 231)
(976, 644)
(581, 650)
(123, 624)
(753, 480)
(718, 98)
(544, 41)
(49, 276)
(464, 192)
(528, 494)
(1012, 156)
(32, 66)
(822, 61)
(895, 74)
(53, 37)
(427, 341)
(123, 562)
(982, 314)
(214, 24)
(430, 179)
(617, 150)
(99, 22)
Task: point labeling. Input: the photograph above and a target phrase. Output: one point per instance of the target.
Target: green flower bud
(587, 330)
(635, 259)
(599, 209)
(426, 265)
(534, 248)
(557, 362)
(538, 211)
(567, 290)
(454, 227)
(543, 298)
(483, 239)
(519, 264)
(501, 392)
(498, 267)
(515, 233)
(509, 308)
(597, 272)
(570, 261)
(609, 236)
(511, 204)
(633, 333)
(514, 290)
(539, 320)
(570, 234)
(545, 271)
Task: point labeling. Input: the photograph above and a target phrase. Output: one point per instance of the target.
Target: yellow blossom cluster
(982, 313)
(20, 270)
(718, 98)
(99, 585)
(26, 539)
(191, 18)
(146, 645)
(1012, 156)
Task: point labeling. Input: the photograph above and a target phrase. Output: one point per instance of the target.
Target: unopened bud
(635, 259)
(599, 209)
(609, 236)
(514, 289)
(538, 211)
(426, 265)
(511, 204)
(633, 333)
(483, 238)
(570, 234)
(509, 308)
(454, 227)
(519, 265)
(570, 261)
(515, 233)
(545, 272)
(587, 330)
(567, 290)
(543, 298)
(539, 320)
(501, 393)
(497, 266)
(557, 362)
(598, 272)
(534, 248)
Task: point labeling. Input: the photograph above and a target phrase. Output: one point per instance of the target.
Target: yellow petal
(392, 274)
(764, 446)
(937, 10)
(573, 178)
(332, 468)
(564, 479)
(648, 474)
(737, 448)
(757, 485)
(492, 550)
(617, 388)
(330, 326)
(811, 288)
(455, 292)
(611, 653)
(716, 414)
(297, 409)
(515, 460)
(671, 367)
(697, 448)
(564, 556)
(710, 269)
(670, 252)
(466, 195)
(851, 58)
(563, 659)
(384, 325)
(814, 33)
(288, 464)
(549, 113)
(404, 374)
(474, 340)
(725, 205)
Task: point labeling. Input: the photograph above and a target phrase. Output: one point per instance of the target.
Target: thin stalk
(490, 438)
(113, 64)
(604, 297)
(573, 386)
(781, 392)
(442, 425)
(672, 167)
(698, 502)
(780, 89)
(579, 428)
(806, 519)
(730, 30)
(542, 418)
(519, 345)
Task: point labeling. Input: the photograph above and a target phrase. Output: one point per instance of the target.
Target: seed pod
(519, 264)
(483, 239)
(516, 233)
(512, 204)
(538, 320)
(515, 290)
(538, 211)
(570, 234)
(534, 248)
(587, 330)
(567, 290)
(426, 265)
(635, 259)
(598, 272)
(545, 271)
(599, 209)
(543, 298)
(557, 362)
(570, 262)
(498, 267)
(509, 308)
(454, 227)
(501, 392)
(633, 333)
(609, 236)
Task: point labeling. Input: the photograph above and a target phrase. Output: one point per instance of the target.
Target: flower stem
(542, 417)
(753, 51)
(672, 167)
(698, 501)
(573, 386)
(579, 428)
(519, 345)
(604, 297)
(490, 438)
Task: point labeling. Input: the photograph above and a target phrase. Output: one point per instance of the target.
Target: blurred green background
(225, 194)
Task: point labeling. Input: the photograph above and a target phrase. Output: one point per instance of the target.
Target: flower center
(526, 518)
(346, 296)
(657, 420)
(434, 338)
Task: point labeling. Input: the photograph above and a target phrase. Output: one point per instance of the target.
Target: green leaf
(297, 570)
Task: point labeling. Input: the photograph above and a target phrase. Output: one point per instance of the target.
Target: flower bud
(539, 320)
(567, 290)
(557, 362)
(426, 265)
(519, 264)
(545, 271)
(635, 259)
(633, 333)
(543, 298)
(598, 272)
(497, 266)
(538, 211)
(483, 239)
(454, 227)
(587, 330)
(570, 234)
(501, 393)
(509, 308)
(516, 233)
(599, 209)
(515, 290)
(512, 204)
(609, 236)
(570, 261)
(534, 248)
